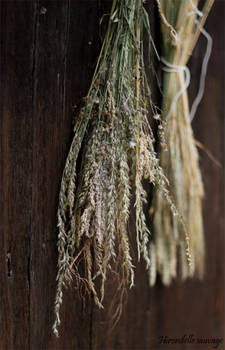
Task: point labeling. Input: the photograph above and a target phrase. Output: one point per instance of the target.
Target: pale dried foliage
(117, 154)
(180, 163)
(115, 145)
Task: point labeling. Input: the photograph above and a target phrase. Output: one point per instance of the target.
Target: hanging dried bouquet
(112, 153)
(181, 25)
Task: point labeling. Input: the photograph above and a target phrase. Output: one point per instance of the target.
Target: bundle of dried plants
(181, 23)
(115, 144)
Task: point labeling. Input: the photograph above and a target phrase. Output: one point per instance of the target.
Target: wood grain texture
(48, 53)
(16, 172)
(63, 69)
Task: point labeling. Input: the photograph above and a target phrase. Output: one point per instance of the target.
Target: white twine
(204, 63)
(196, 10)
(172, 68)
(203, 73)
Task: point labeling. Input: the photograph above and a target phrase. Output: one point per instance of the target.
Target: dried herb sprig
(180, 30)
(117, 151)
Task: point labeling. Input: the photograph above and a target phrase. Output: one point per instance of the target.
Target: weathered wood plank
(65, 57)
(48, 54)
(16, 35)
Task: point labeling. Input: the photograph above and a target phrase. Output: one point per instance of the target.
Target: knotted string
(172, 68)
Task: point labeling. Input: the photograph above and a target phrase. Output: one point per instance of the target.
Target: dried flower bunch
(181, 22)
(117, 154)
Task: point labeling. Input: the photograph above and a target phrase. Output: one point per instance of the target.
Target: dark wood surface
(48, 53)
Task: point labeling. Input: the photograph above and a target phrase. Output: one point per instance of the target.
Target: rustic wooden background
(48, 53)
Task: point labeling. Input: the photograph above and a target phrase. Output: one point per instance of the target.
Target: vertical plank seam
(91, 324)
(33, 89)
(5, 244)
(67, 36)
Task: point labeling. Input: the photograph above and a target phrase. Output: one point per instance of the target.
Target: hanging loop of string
(204, 63)
(175, 69)
(171, 68)
(203, 72)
